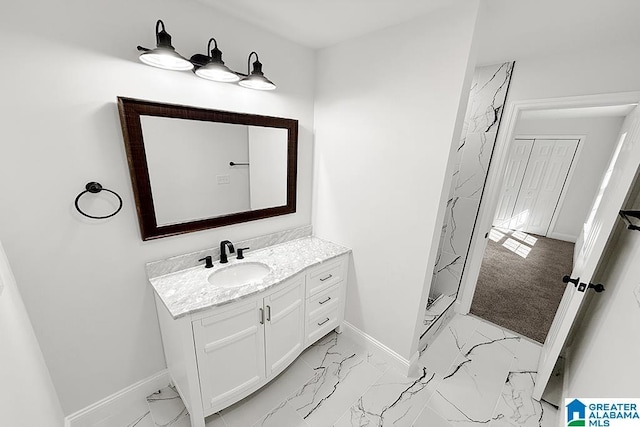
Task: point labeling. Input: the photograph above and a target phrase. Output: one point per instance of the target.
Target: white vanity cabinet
(239, 346)
(220, 355)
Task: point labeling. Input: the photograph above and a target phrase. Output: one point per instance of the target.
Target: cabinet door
(284, 326)
(230, 352)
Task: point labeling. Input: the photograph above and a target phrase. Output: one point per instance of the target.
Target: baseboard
(562, 236)
(118, 401)
(376, 347)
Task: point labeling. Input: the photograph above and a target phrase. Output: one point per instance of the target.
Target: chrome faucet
(223, 252)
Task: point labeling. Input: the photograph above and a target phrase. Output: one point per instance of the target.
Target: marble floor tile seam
(352, 402)
(348, 410)
(263, 418)
(360, 354)
(484, 422)
(522, 337)
(357, 398)
(517, 398)
(446, 405)
(460, 344)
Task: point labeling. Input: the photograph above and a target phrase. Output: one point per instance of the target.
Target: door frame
(576, 158)
(489, 201)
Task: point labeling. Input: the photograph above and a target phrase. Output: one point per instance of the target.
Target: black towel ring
(95, 187)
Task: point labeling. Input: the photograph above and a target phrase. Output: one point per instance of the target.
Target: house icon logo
(576, 413)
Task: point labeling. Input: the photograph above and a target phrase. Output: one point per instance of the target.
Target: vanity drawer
(325, 300)
(325, 276)
(318, 326)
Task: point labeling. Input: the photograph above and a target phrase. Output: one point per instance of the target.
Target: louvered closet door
(557, 166)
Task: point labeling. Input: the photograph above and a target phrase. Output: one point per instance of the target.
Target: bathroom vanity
(224, 342)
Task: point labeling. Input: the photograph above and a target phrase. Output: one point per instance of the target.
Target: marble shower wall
(486, 102)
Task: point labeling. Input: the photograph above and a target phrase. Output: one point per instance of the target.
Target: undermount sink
(241, 274)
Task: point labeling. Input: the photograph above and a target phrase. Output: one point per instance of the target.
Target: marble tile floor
(474, 373)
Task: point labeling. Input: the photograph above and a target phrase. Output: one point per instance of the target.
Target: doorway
(539, 208)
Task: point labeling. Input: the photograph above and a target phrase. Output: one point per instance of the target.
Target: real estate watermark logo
(623, 412)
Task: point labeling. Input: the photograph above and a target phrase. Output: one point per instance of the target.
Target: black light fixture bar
(209, 66)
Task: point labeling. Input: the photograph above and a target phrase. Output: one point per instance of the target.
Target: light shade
(164, 55)
(215, 69)
(256, 78)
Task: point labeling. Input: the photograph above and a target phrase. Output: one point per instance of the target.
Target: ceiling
(318, 24)
(507, 29)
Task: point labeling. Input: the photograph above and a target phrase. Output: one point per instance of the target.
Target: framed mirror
(194, 168)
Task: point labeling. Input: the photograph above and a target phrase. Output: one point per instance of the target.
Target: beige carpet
(523, 294)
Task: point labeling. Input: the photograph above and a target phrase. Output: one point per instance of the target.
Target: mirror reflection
(205, 169)
(193, 168)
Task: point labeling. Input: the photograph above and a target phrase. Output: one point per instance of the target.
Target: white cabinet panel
(284, 326)
(230, 352)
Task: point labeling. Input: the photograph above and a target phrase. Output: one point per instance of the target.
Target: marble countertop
(188, 291)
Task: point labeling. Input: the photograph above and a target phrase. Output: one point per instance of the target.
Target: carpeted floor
(522, 294)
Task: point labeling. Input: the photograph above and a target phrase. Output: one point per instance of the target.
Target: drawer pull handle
(322, 302)
(323, 322)
(326, 278)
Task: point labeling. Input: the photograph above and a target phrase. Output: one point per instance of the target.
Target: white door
(514, 173)
(596, 231)
(284, 326)
(531, 183)
(558, 156)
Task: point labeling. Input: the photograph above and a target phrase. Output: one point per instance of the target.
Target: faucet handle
(241, 253)
(208, 261)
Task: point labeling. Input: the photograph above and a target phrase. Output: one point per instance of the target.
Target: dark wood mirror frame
(130, 112)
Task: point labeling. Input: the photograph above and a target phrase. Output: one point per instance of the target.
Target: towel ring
(95, 187)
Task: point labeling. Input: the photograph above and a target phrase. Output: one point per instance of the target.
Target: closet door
(551, 185)
(542, 184)
(513, 175)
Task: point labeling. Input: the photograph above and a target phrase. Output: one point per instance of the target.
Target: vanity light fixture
(214, 68)
(164, 55)
(256, 79)
(209, 66)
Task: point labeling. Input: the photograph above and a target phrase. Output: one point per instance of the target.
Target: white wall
(83, 281)
(386, 111)
(22, 363)
(185, 159)
(268, 166)
(601, 137)
(603, 360)
(583, 71)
